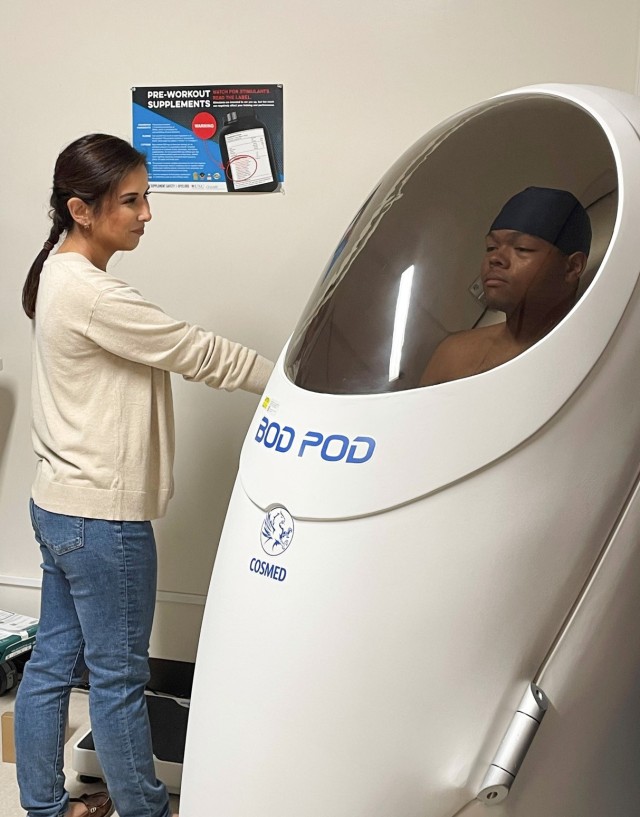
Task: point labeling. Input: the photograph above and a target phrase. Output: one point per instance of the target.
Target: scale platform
(168, 717)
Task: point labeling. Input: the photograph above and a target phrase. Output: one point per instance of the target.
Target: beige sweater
(102, 407)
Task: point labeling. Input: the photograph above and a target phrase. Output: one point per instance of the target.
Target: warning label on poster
(210, 138)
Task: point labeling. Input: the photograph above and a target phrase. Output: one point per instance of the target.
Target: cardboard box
(8, 745)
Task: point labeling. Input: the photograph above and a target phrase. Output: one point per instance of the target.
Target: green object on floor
(17, 634)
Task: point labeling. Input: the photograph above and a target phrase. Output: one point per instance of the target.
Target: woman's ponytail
(30, 289)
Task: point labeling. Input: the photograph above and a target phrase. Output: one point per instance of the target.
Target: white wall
(362, 81)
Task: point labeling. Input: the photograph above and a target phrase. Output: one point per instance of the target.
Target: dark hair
(90, 169)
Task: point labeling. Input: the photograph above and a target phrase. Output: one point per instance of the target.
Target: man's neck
(526, 327)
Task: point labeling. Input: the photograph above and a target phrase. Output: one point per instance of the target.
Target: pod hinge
(514, 747)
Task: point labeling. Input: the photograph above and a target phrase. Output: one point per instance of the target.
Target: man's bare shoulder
(455, 355)
(470, 338)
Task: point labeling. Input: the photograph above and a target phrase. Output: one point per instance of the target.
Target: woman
(103, 434)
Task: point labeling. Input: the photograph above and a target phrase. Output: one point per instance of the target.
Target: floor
(78, 726)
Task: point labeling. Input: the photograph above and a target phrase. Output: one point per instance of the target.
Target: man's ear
(576, 265)
(80, 211)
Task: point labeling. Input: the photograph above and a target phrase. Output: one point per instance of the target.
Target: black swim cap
(555, 215)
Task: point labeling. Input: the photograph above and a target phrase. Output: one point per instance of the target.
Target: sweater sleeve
(124, 323)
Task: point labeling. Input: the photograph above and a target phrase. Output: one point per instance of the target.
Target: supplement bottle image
(247, 153)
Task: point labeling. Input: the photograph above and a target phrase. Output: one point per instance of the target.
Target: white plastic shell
(373, 667)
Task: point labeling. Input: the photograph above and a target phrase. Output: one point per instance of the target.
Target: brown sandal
(97, 805)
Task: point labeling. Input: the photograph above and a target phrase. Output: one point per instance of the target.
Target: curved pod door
(399, 562)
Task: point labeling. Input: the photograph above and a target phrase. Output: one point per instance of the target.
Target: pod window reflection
(406, 274)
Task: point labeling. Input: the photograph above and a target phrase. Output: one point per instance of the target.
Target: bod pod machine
(400, 564)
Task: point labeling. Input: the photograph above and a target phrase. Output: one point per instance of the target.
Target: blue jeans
(98, 598)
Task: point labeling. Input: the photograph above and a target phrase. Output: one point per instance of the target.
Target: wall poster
(210, 138)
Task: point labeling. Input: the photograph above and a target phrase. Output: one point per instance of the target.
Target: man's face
(521, 270)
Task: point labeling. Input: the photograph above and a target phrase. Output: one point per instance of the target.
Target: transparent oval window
(406, 275)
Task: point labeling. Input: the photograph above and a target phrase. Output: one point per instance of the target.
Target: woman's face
(120, 223)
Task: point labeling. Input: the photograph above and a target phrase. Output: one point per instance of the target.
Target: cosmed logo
(276, 532)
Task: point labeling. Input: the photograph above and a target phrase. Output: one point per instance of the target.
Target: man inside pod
(536, 250)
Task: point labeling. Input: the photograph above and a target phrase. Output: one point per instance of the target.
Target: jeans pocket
(59, 532)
